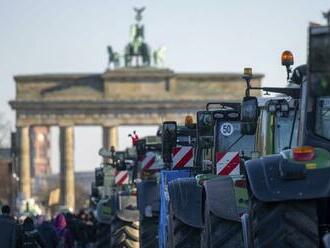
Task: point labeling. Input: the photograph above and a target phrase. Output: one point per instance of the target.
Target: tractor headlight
(272, 107)
(218, 115)
(233, 115)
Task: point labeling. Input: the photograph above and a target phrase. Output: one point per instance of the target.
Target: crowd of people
(65, 230)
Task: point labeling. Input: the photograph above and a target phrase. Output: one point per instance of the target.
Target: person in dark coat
(10, 235)
(31, 236)
(65, 236)
(47, 232)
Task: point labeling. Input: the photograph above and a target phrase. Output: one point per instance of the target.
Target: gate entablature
(147, 95)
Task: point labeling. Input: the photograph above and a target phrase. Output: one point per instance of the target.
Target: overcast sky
(43, 36)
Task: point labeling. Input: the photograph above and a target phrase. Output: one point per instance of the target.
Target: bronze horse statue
(114, 58)
(137, 48)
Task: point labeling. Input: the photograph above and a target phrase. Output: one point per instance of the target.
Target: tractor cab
(149, 156)
(277, 127)
(273, 120)
(229, 143)
(178, 143)
(315, 123)
(316, 91)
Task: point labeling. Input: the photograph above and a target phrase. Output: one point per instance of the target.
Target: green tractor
(116, 203)
(289, 192)
(223, 188)
(225, 192)
(149, 164)
(218, 147)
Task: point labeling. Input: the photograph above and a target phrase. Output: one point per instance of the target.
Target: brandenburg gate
(134, 94)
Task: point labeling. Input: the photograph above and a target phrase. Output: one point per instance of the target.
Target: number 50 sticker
(227, 129)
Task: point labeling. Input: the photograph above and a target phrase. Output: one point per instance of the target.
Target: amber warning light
(247, 72)
(303, 153)
(188, 120)
(287, 58)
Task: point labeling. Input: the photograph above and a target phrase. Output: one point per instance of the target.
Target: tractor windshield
(186, 136)
(319, 50)
(229, 138)
(285, 134)
(319, 60)
(322, 120)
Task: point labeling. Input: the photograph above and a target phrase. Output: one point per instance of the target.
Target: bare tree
(4, 131)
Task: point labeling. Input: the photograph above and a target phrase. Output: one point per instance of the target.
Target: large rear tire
(124, 234)
(284, 224)
(182, 235)
(219, 232)
(149, 232)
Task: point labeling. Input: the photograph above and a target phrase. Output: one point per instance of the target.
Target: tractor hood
(280, 178)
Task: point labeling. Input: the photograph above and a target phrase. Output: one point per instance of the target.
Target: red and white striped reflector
(182, 157)
(149, 162)
(228, 163)
(121, 177)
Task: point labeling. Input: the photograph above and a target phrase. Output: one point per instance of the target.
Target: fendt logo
(182, 157)
(228, 163)
(121, 177)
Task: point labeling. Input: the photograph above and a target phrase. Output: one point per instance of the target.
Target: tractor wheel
(219, 232)
(182, 235)
(149, 232)
(124, 234)
(283, 224)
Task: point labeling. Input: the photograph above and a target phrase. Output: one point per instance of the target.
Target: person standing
(31, 236)
(47, 232)
(63, 232)
(134, 138)
(10, 235)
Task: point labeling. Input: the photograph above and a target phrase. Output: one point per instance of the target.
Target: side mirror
(168, 140)
(99, 177)
(298, 74)
(205, 129)
(94, 190)
(205, 123)
(141, 147)
(249, 115)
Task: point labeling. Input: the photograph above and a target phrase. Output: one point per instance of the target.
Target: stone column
(24, 162)
(110, 137)
(67, 167)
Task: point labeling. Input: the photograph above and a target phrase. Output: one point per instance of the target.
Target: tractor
(114, 194)
(149, 164)
(223, 188)
(217, 149)
(206, 211)
(289, 192)
(178, 144)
